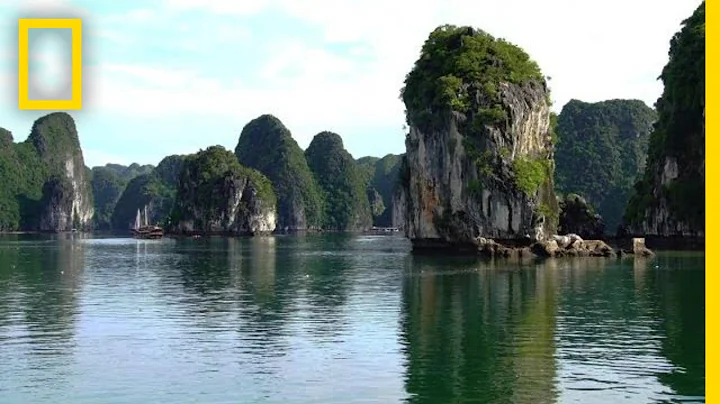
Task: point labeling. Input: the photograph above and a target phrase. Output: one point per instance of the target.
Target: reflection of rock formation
(262, 267)
(476, 333)
(39, 284)
(328, 281)
(678, 296)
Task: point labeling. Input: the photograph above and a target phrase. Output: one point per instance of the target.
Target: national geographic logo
(68, 32)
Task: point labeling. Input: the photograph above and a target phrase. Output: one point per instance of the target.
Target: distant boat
(143, 230)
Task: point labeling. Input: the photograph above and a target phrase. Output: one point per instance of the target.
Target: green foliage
(458, 65)
(366, 169)
(679, 131)
(27, 166)
(156, 190)
(475, 188)
(267, 145)
(207, 181)
(546, 211)
(107, 188)
(385, 180)
(530, 174)
(601, 151)
(346, 205)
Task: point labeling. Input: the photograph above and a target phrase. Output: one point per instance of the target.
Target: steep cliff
(266, 145)
(55, 138)
(346, 206)
(154, 191)
(601, 152)
(669, 200)
(216, 194)
(480, 147)
(45, 183)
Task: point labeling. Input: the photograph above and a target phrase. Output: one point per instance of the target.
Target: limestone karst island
(510, 254)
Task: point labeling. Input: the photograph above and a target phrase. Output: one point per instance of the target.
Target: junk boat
(143, 230)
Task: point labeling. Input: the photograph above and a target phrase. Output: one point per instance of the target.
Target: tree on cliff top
(458, 65)
(345, 200)
(601, 152)
(266, 145)
(679, 132)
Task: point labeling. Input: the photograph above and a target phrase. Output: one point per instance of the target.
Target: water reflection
(337, 318)
(472, 332)
(39, 287)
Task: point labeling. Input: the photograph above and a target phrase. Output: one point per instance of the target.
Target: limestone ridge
(345, 203)
(266, 145)
(602, 151)
(479, 159)
(217, 195)
(669, 200)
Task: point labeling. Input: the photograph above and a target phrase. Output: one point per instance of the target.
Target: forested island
(486, 162)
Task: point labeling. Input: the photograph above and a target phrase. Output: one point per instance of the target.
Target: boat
(143, 230)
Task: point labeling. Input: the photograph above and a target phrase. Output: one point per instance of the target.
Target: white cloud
(217, 6)
(592, 50)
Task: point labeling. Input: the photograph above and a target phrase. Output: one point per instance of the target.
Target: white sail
(137, 220)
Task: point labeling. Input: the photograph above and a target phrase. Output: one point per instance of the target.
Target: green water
(340, 319)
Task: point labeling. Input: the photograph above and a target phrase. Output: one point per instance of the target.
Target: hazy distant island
(488, 166)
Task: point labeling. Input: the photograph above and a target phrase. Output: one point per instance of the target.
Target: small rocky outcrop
(266, 145)
(669, 200)
(479, 159)
(578, 217)
(217, 195)
(556, 246)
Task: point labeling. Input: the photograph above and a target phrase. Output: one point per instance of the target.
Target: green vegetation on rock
(209, 181)
(457, 67)
(381, 177)
(108, 183)
(50, 153)
(601, 152)
(155, 190)
(346, 206)
(678, 136)
(266, 145)
(530, 174)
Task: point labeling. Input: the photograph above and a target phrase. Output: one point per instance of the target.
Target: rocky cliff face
(670, 198)
(479, 159)
(218, 195)
(70, 205)
(266, 145)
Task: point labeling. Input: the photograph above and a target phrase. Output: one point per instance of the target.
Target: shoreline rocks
(557, 246)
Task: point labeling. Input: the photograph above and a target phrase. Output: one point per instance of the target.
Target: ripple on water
(323, 319)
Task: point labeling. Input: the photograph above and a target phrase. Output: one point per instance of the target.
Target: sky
(166, 77)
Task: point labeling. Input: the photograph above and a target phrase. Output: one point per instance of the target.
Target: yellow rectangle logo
(24, 26)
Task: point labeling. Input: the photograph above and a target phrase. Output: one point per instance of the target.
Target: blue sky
(168, 77)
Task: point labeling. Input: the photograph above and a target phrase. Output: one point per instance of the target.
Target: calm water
(340, 319)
